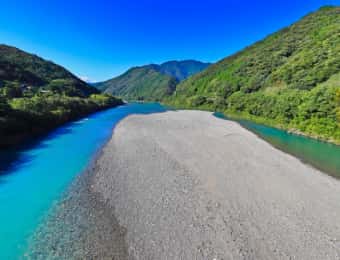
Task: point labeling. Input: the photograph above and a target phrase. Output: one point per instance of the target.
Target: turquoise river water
(34, 176)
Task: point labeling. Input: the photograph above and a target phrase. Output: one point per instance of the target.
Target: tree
(11, 92)
(338, 104)
(4, 107)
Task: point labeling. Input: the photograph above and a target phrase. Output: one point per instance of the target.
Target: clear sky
(99, 39)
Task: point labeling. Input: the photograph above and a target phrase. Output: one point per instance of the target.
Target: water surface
(35, 175)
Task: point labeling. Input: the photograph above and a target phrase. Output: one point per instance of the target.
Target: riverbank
(291, 127)
(32, 120)
(324, 156)
(79, 226)
(72, 226)
(187, 185)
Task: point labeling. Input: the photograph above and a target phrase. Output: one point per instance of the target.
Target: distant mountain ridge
(151, 82)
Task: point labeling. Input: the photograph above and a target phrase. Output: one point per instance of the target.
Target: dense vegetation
(37, 95)
(288, 80)
(151, 82)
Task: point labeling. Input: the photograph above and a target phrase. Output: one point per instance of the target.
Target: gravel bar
(187, 185)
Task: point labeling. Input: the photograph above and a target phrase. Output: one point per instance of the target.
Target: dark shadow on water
(2, 181)
(17, 157)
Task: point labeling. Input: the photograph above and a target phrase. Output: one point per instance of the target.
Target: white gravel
(187, 185)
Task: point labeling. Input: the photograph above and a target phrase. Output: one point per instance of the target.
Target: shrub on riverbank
(338, 108)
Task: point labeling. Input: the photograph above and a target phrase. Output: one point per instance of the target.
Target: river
(34, 176)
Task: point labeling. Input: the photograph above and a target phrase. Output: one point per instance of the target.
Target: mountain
(287, 80)
(25, 68)
(182, 69)
(151, 82)
(37, 95)
(140, 83)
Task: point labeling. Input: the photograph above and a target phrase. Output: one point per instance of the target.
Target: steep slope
(25, 68)
(287, 80)
(37, 95)
(151, 82)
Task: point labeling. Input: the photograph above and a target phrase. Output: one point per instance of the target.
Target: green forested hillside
(141, 83)
(37, 95)
(151, 82)
(288, 80)
(18, 67)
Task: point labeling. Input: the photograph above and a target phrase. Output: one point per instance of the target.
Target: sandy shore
(187, 185)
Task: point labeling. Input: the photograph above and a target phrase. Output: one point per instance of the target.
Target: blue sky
(99, 39)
